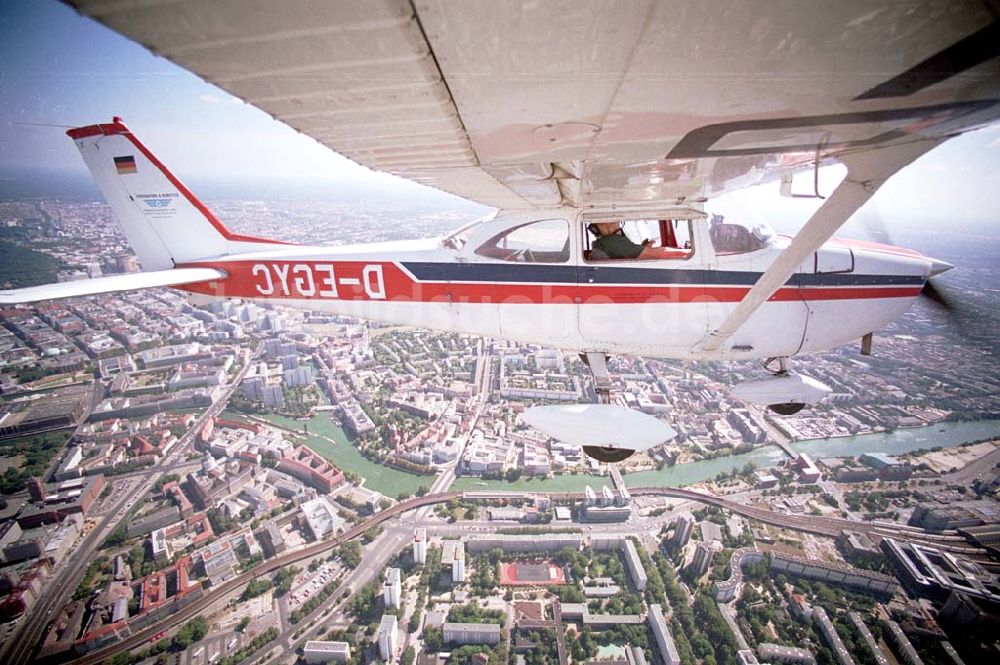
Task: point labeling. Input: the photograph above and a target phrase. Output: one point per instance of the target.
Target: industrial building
(932, 573)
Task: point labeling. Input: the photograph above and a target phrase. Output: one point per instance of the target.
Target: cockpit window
(546, 241)
(457, 238)
(728, 238)
(643, 239)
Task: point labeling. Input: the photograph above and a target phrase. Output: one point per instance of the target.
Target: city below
(227, 483)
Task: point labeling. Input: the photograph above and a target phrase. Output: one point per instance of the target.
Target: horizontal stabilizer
(603, 425)
(109, 284)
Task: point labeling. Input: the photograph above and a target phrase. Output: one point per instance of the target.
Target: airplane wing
(110, 284)
(589, 102)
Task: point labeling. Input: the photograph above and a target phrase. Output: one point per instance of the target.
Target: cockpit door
(656, 307)
(534, 269)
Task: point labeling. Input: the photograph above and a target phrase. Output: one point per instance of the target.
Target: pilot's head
(605, 228)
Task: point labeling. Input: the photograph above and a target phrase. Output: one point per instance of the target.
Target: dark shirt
(618, 246)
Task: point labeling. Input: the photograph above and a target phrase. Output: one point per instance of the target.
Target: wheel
(786, 408)
(608, 455)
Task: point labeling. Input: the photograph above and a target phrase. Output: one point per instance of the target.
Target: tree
(433, 639)
(409, 655)
(284, 579)
(350, 553)
(256, 588)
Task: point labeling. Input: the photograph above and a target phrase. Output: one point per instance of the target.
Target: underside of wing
(588, 102)
(110, 284)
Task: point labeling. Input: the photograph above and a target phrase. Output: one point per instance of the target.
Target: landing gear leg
(597, 363)
(782, 408)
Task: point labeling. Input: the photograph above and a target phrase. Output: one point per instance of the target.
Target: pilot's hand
(648, 242)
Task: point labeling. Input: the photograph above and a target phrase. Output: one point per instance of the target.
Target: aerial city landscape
(223, 483)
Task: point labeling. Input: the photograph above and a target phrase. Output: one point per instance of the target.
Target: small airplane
(638, 137)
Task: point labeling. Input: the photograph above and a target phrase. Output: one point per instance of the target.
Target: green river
(894, 443)
(333, 444)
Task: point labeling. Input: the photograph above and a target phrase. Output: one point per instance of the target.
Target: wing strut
(866, 172)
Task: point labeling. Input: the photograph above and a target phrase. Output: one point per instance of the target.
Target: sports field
(531, 574)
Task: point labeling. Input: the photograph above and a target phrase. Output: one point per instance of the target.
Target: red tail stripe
(118, 127)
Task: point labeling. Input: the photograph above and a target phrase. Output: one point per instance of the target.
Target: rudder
(164, 222)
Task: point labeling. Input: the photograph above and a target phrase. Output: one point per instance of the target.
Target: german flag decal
(125, 165)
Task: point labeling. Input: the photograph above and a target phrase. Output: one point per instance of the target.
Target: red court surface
(531, 574)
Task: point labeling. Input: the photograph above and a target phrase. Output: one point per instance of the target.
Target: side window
(546, 241)
(659, 238)
(736, 238)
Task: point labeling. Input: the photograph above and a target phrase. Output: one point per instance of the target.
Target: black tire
(608, 455)
(786, 408)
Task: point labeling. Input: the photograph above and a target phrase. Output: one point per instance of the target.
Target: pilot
(612, 243)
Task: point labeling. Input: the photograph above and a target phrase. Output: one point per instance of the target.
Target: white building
(471, 633)
(664, 639)
(453, 554)
(321, 516)
(829, 632)
(317, 652)
(420, 546)
(386, 637)
(635, 567)
(392, 589)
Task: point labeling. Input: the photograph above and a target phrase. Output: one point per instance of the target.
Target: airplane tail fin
(164, 222)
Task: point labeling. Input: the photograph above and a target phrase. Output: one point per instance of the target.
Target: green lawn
(346, 457)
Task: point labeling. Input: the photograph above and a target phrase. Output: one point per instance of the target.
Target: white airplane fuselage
(657, 308)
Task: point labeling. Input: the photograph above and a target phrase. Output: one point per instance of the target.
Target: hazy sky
(60, 68)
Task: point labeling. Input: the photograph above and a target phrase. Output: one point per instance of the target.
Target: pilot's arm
(663, 253)
(618, 246)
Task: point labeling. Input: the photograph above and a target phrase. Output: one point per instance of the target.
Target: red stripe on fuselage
(385, 281)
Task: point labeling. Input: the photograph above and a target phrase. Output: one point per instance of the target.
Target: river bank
(897, 442)
(331, 442)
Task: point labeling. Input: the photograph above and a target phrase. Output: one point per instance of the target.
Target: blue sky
(60, 68)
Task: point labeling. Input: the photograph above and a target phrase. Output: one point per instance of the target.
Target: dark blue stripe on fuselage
(565, 274)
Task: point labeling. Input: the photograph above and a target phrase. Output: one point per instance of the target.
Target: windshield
(457, 238)
(544, 241)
